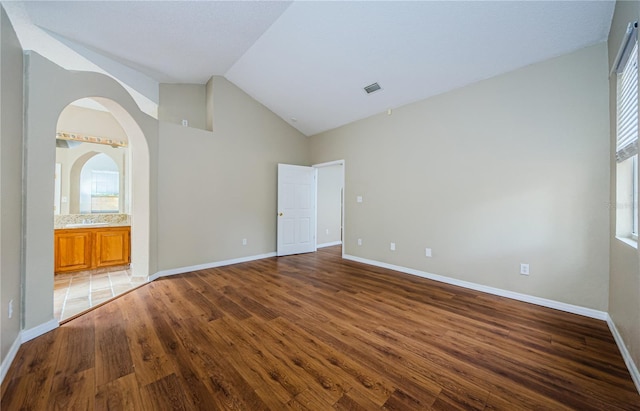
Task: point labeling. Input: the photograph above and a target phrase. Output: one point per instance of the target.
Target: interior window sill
(629, 241)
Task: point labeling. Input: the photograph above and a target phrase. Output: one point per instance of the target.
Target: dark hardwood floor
(315, 332)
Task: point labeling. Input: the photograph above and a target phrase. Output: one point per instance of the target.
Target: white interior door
(296, 209)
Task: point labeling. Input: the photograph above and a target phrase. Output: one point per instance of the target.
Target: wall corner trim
(626, 356)
(8, 360)
(182, 270)
(557, 305)
(31, 333)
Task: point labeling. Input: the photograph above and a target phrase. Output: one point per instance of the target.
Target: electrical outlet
(244, 241)
(359, 241)
(524, 269)
(358, 199)
(10, 308)
(427, 252)
(393, 247)
(327, 231)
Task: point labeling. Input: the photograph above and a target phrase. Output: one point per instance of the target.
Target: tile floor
(77, 292)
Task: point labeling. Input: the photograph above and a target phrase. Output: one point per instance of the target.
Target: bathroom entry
(92, 231)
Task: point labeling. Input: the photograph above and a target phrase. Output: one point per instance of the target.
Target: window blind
(627, 112)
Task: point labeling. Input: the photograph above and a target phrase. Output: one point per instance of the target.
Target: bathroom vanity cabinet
(78, 249)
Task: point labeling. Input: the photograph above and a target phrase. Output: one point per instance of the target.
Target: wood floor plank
(150, 361)
(165, 394)
(120, 394)
(112, 352)
(316, 332)
(29, 391)
(357, 400)
(37, 355)
(183, 357)
(328, 383)
(274, 370)
(76, 347)
(31, 374)
(73, 391)
(378, 389)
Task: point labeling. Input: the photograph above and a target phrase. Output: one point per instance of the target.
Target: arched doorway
(51, 89)
(105, 184)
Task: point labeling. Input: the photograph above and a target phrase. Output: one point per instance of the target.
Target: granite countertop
(92, 225)
(91, 221)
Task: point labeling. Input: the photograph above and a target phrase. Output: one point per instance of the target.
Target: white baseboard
(38, 330)
(574, 309)
(11, 355)
(631, 366)
(189, 269)
(323, 245)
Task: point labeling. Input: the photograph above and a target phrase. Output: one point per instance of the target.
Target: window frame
(627, 71)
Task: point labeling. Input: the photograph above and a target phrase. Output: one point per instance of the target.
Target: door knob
(281, 214)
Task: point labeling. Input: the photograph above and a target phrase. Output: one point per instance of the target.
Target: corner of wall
(209, 104)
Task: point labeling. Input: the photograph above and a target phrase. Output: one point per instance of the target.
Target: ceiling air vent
(372, 87)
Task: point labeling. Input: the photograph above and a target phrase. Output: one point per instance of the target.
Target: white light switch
(244, 241)
(359, 199)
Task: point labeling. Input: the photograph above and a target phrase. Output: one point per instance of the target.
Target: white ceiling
(310, 60)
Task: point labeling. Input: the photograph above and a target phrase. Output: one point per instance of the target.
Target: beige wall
(10, 183)
(624, 285)
(510, 170)
(90, 122)
(183, 102)
(330, 181)
(220, 187)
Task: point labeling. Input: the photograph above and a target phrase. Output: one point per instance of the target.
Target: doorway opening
(330, 204)
(101, 188)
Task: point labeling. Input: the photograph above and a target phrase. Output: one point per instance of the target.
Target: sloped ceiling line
(310, 60)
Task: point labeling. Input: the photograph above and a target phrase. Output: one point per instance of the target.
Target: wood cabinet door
(73, 250)
(112, 247)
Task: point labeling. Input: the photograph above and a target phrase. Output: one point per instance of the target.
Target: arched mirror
(100, 186)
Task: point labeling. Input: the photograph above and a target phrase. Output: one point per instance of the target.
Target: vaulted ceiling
(308, 61)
